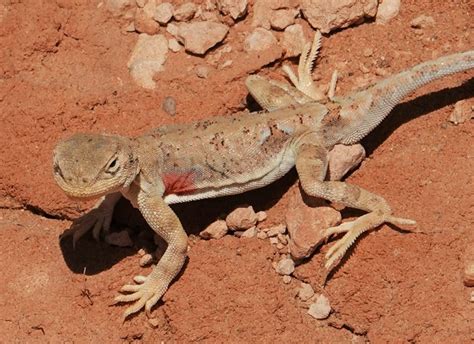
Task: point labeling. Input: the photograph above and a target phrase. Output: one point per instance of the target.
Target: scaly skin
(230, 155)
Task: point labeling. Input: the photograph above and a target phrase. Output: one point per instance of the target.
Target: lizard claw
(353, 230)
(146, 294)
(97, 220)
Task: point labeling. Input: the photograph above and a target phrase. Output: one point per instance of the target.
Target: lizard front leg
(166, 224)
(311, 165)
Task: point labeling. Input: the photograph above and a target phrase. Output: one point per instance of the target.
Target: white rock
(249, 233)
(215, 230)
(163, 13)
(344, 158)
(286, 266)
(262, 235)
(147, 58)
(259, 39)
(282, 18)
(387, 10)
(202, 71)
(321, 308)
(286, 279)
(241, 218)
(120, 239)
(463, 111)
(185, 12)
(331, 15)
(199, 37)
(261, 216)
(174, 45)
(169, 106)
(305, 292)
(422, 22)
(293, 40)
(172, 29)
(235, 8)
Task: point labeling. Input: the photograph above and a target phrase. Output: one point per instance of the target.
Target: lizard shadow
(417, 107)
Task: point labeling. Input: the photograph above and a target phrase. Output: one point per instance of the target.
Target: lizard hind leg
(311, 165)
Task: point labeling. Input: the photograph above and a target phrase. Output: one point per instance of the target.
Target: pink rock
(305, 223)
(344, 158)
(163, 13)
(185, 12)
(199, 37)
(235, 8)
(282, 18)
(241, 219)
(215, 230)
(321, 308)
(259, 39)
(144, 21)
(387, 10)
(293, 40)
(330, 15)
(463, 111)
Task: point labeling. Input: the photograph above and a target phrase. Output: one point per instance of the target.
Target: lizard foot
(353, 230)
(98, 219)
(145, 293)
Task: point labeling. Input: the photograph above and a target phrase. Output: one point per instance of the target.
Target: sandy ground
(63, 70)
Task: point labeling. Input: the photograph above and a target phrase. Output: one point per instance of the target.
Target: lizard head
(92, 165)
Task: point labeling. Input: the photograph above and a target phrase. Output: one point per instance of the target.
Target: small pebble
(274, 241)
(286, 266)
(261, 216)
(472, 296)
(202, 72)
(286, 279)
(141, 252)
(469, 275)
(120, 239)
(275, 230)
(174, 45)
(249, 233)
(283, 239)
(215, 230)
(305, 292)
(169, 106)
(321, 308)
(261, 235)
(241, 218)
(154, 322)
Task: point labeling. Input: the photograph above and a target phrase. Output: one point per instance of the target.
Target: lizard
(227, 155)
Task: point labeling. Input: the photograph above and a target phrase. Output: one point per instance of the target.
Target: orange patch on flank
(179, 183)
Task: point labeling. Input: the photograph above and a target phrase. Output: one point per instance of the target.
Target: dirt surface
(63, 70)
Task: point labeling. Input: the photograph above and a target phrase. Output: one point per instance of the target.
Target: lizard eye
(113, 166)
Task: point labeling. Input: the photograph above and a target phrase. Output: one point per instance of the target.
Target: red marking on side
(179, 183)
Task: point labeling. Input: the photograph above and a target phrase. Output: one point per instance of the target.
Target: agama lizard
(232, 154)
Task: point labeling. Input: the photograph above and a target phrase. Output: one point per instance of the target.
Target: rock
(261, 216)
(235, 8)
(275, 230)
(293, 40)
(147, 58)
(387, 10)
(471, 299)
(344, 158)
(120, 239)
(286, 266)
(281, 19)
(331, 15)
(144, 21)
(172, 29)
(274, 241)
(422, 22)
(202, 72)
(215, 230)
(174, 45)
(321, 308)
(262, 235)
(262, 10)
(199, 37)
(121, 8)
(249, 233)
(463, 111)
(241, 218)
(305, 221)
(163, 13)
(368, 52)
(305, 292)
(146, 259)
(141, 3)
(185, 12)
(259, 39)
(141, 252)
(469, 263)
(286, 279)
(154, 322)
(169, 106)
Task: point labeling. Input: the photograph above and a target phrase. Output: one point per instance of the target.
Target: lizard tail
(365, 109)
